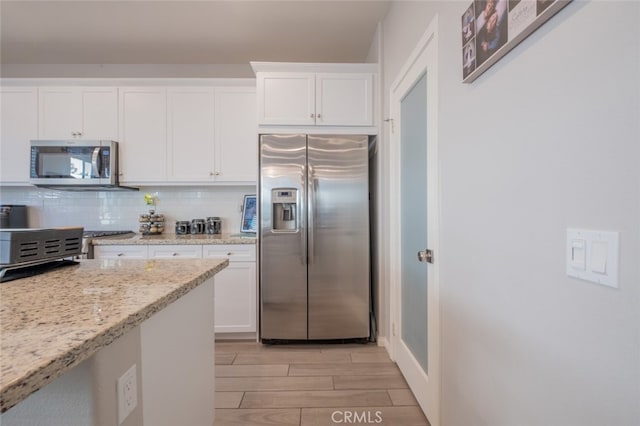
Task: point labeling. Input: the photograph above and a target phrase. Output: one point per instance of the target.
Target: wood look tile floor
(310, 385)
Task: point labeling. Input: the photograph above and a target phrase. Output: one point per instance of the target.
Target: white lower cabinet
(175, 251)
(120, 252)
(236, 299)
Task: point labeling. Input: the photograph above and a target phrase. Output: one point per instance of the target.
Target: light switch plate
(593, 256)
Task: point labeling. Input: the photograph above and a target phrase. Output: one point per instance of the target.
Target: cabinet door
(235, 298)
(60, 113)
(78, 112)
(143, 134)
(99, 109)
(190, 126)
(236, 135)
(344, 99)
(18, 125)
(286, 98)
(120, 252)
(175, 251)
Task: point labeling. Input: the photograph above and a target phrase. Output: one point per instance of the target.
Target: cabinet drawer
(177, 251)
(120, 252)
(234, 252)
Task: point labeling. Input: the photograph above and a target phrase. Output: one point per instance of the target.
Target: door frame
(424, 58)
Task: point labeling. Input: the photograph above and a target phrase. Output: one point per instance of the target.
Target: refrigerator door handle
(301, 220)
(311, 212)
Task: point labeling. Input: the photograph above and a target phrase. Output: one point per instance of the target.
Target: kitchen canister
(183, 227)
(198, 226)
(214, 225)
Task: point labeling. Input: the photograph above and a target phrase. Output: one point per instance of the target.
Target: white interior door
(415, 327)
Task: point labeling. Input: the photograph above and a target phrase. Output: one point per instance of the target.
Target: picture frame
(491, 28)
(249, 223)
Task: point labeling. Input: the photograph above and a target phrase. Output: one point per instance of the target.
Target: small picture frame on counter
(249, 222)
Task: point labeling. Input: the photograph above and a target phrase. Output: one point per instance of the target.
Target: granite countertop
(188, 239)
(51, 322)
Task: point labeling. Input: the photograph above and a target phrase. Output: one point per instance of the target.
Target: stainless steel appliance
(75, 165)
(89, 236)
(25, 252)
(314, 237)
(13, 216)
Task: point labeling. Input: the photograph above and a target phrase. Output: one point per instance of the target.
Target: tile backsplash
(120, 210)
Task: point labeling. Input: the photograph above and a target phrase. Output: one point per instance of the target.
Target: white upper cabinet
(143, 134)
(190, 127)
(314, 98)
(236, 135)
(170, 131)
(286, 98)
(78, 112)
(18, 125)
(344, 99)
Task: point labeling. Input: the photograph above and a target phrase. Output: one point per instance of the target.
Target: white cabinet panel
(236, 135)
(235, 298)
(18, 125)
(175, 251)
(236, 288)
(99, 113)
(143, 134)
(234, 252)
(190, 124)
(344, 99)
(78, 112)
(286, 98)
(120, 252)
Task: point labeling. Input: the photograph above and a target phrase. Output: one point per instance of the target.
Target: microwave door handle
(96, 161)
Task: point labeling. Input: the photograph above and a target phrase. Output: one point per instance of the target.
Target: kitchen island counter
(170, 239)
(52, 322)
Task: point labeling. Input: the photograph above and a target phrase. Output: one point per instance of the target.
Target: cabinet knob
(174, 254)
(319, 116)
(120, 254)
(217, 173)
(211, 174)
(312, 116)
(229, 254)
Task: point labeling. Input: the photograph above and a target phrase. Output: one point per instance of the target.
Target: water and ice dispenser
(284, 204)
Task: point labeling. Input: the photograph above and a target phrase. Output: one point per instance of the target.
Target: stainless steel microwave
(74, 164)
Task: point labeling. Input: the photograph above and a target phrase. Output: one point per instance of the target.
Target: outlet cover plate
(127, 393)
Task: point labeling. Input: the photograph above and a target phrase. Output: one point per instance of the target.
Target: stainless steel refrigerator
(314, 237)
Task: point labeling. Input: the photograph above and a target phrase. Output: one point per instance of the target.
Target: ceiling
(187, 32)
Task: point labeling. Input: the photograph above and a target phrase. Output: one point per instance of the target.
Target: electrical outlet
(127, 394)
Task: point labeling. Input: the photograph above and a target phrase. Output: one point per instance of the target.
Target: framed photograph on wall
(249, 222)
(491, 28)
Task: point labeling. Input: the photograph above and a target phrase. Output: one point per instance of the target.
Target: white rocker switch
(599, 257)
(579, 254)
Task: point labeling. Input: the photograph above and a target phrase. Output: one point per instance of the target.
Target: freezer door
(338, 236)
(283, 256)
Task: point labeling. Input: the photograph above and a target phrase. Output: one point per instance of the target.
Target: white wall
(546, 139)
(120, 210)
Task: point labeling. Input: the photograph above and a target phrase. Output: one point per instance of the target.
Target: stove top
(95, 234)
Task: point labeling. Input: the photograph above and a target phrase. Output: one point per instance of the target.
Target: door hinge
(425, 256)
